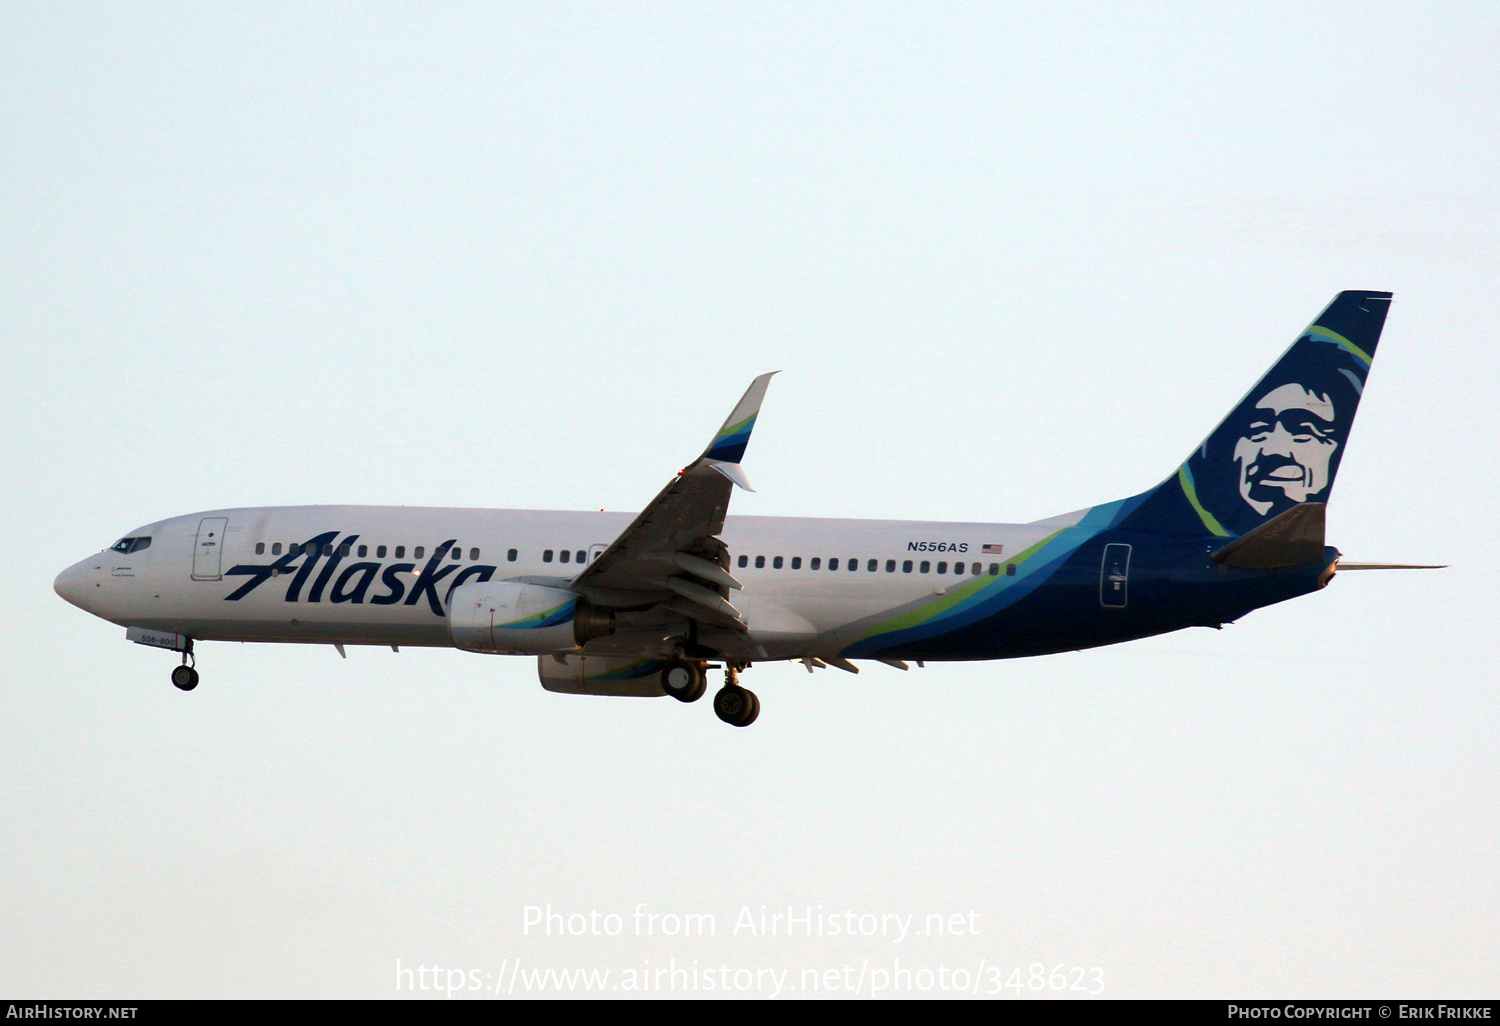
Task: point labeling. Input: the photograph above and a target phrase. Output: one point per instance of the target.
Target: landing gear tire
(736, 706)
(184, 677)
(683, 680)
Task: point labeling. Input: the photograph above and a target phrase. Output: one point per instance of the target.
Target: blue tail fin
(1283, 443)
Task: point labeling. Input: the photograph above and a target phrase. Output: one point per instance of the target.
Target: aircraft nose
(73, 584)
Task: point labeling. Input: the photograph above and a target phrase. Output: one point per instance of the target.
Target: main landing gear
(685, 680)
(735, 705)
(185, 677)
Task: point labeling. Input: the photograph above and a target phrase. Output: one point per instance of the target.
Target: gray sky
(1012, 259)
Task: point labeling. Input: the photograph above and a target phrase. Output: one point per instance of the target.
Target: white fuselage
(387, 591)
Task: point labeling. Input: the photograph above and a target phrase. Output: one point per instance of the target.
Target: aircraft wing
(671, 553)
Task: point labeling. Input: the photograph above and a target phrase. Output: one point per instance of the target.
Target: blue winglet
(728, 446)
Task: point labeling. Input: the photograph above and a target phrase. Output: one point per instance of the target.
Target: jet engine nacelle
(576, 674)
(510, 618)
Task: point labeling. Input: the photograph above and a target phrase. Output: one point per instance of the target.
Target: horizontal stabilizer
(1392, 566)
(1291, 539)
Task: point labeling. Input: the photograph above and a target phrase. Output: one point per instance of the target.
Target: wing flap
(671, 554)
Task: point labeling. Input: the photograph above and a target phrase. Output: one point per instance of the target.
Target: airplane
(619, 605)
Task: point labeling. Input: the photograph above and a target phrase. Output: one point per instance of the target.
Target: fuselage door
(1114, 576)
(595, 551)
(208, 548)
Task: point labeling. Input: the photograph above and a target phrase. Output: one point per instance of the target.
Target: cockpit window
(123, 545)
(140, 543)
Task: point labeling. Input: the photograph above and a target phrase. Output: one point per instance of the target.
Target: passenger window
(417, 552)
(890, 566)
(400, 551)
(817, 563)
(457, 552)
(364, 550)
(744, 561)
(474, 554)
(796, 562)
(276, 549)
(853, 564)
(344, 550)
(760, 562)
(565, 555)
(873, 565)
(328, 549)
(510, 557)
(943, 568)
(380, 552)
(294, 549)
(776, 563)
(260, 548)
(833, 564)
(906, 567)
(978, 569)
(926, 566)
(1010, 569)
(580, 556)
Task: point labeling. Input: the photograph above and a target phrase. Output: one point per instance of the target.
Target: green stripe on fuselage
(922, 614)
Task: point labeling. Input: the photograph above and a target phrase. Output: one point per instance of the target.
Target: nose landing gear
(185, 677)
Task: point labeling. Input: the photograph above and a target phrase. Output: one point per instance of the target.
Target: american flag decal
(993, 550)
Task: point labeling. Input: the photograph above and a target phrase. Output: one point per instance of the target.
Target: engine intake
(510, 618)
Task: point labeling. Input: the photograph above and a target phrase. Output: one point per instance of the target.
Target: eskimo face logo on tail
(1287, 449)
